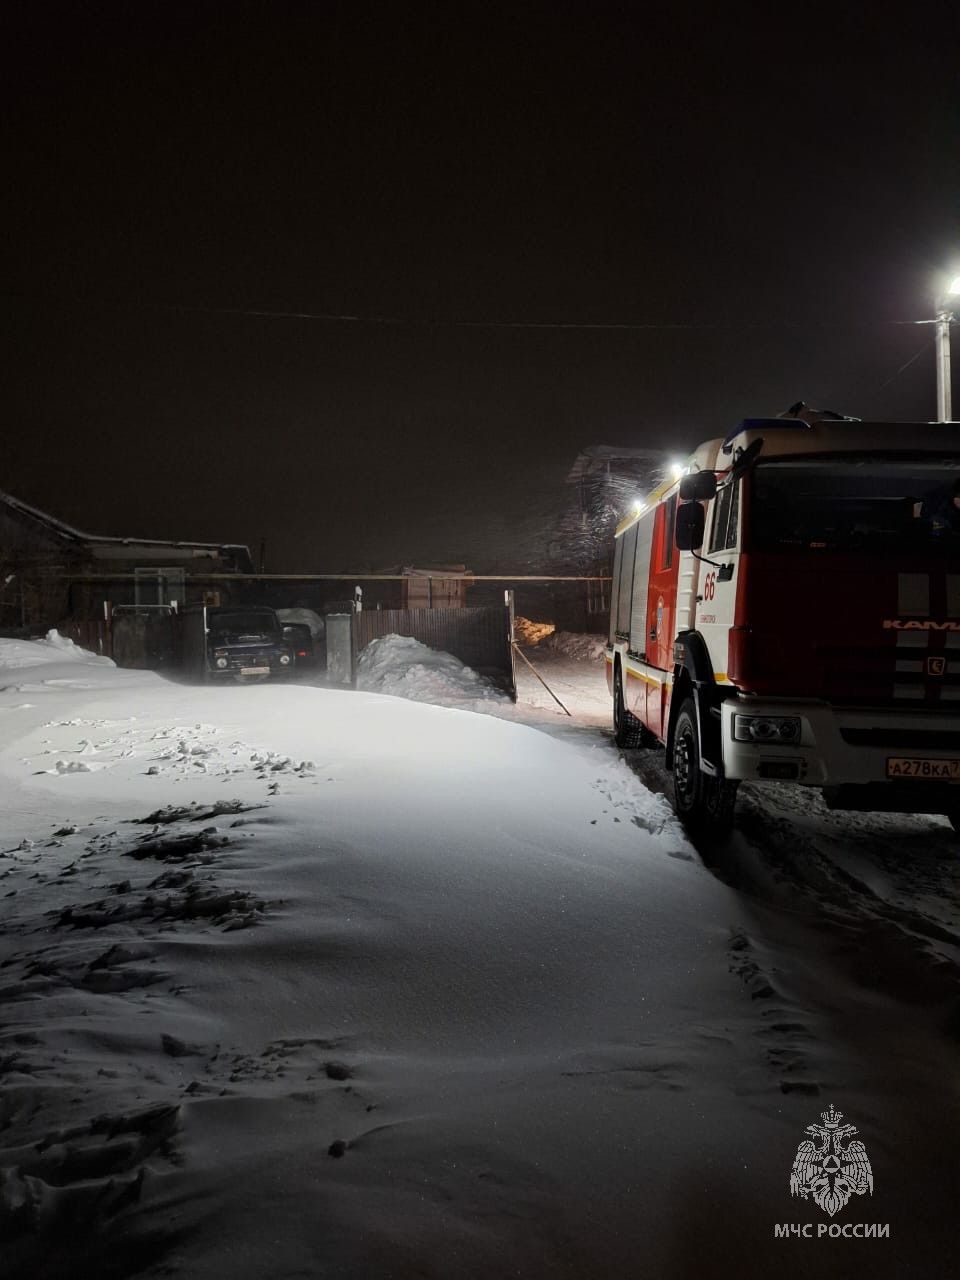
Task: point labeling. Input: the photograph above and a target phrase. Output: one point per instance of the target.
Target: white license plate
(254, 671)
(916, 767)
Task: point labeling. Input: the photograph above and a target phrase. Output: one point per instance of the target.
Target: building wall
(30, 558)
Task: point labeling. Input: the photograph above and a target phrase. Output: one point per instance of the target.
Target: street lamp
(945, 316)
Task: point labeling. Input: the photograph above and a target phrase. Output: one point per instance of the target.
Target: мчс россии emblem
(828, 1166)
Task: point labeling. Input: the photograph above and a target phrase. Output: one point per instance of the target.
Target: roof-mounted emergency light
(800, 415)
(764, 424)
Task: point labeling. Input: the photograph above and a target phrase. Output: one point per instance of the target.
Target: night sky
(779, 192)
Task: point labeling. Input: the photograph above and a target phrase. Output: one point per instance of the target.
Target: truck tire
(703, 804)
(628, 732)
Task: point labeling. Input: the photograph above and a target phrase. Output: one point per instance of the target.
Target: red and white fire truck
(788, 609)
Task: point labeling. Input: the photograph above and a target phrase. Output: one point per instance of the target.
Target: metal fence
(147, 637)
(478, 637)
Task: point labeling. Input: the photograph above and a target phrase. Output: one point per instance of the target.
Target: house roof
(60, 529)
(595, 457)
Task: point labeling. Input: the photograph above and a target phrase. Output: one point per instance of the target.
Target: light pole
(944, 319)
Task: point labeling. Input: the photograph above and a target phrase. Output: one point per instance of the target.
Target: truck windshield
(243, 624)
(857, 503)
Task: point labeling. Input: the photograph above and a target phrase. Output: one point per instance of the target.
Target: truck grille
(903, 739)
(891, 674)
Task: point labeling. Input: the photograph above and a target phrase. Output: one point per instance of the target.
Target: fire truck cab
(788, 610)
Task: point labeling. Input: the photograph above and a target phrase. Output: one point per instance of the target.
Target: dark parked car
(300, 638)
(238, 643)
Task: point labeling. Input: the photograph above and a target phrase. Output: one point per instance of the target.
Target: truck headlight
(284, 659)
(766, 730)
(221, 663)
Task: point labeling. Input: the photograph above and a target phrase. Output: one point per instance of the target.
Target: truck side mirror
(691, 520)
(699, 486)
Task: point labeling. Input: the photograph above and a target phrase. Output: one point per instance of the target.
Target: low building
(427, 588)
(46, 567)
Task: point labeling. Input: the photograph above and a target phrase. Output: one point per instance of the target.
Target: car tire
(704, 804)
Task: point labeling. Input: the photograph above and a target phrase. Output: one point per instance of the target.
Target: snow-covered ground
(303, 982)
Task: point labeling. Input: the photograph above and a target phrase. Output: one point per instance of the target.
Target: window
(877, 505)
(625, 596)
(666, 544)
(158, 586)
(242, 624)
(726, 518)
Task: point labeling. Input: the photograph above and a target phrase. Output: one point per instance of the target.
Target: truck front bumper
(843, 747)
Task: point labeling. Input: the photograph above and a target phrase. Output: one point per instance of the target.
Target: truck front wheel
(703, 804)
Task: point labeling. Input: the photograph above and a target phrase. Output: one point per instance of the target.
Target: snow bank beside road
(405, 668)
(54, 647)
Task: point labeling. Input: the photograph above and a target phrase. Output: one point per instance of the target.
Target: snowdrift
(53, 648)
(405, 668)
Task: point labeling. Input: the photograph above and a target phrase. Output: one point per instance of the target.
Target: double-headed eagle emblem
(829, 1167)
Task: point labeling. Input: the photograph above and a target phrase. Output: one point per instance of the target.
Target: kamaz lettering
(898, 624)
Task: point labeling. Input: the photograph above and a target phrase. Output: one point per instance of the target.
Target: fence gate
(145, 637)
(480, 638)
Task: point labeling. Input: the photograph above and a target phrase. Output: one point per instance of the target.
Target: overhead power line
(906, 364)
(331, 317)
